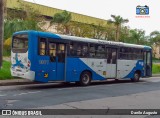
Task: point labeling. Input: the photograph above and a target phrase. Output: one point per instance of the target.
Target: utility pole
(1, 30)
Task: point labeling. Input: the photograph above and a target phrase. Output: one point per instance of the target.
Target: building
(49, 12)
(156, 51)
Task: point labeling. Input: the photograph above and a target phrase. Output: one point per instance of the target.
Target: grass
(5, 71)
(156, 68)
(6, 53)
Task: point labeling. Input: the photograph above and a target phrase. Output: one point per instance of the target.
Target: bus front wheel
(85, 78)
(136, 77)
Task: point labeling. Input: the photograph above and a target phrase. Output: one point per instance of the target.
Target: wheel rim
(136, 76)
(85, 79)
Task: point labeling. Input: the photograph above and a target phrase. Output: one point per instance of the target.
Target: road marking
(2, 95)
(20, 94)
(34, 92)
(59, 89)
(26, 93)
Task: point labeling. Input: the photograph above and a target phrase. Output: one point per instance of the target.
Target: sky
(104, 8)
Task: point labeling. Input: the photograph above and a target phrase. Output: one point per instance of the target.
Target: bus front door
(147, 63)
(57, 61)
(61, 61)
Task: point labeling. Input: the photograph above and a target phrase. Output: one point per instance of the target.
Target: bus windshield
(20, 43)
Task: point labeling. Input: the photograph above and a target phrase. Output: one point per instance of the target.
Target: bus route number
(43, 61)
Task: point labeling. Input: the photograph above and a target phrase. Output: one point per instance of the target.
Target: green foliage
(7, 47)
(156, 68)
(5, 71)
(155, 37)
(11, 26)
(117, 21)
(64, 19)
(23, 18)
(136, 36)
(6, 50)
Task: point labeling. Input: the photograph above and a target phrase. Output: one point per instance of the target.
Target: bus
(47, 57)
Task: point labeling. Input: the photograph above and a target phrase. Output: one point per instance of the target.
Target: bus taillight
(29, 64)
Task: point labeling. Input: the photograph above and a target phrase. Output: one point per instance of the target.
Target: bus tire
(116, 80)
(136, 77)
(85, 78)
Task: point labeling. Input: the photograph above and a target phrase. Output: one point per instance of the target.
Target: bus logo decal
(45, 75)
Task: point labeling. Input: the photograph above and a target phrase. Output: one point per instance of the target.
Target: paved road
(46, 95)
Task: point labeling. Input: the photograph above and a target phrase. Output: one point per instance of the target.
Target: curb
(156, 75)
(16, 82)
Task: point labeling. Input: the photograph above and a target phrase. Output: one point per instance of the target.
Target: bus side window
(114, 56)
(61, 53)
(84, 50)
(100, 51)
(52, 51)
(109, 55)
(42, 46)
(79, 50)
(71, 51)
(92, 50)
(72, 48)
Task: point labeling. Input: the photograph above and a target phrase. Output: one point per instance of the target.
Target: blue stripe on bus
(78, 65)
(137, 67)
(74, 70)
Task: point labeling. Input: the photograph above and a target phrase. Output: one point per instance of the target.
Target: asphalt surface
(43, 95)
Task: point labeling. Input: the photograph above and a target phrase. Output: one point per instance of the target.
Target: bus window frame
(95, 46)
(78, 43)
(14, 50)
(46, 46)
(133, 54)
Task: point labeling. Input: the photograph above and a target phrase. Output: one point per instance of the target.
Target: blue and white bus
(47, 57)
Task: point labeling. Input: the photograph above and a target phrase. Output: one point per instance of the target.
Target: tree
(11, 26)
(1, 29)
(99, 30)
(124, 34)
(23, 18)
(155, 37)
(117, 21)
(63, 18)
(137, 36)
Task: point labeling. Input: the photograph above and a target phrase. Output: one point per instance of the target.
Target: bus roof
(81, 39)
(99, 41)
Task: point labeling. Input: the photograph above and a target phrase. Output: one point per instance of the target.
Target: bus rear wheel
(85, 78)
(136, 77)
